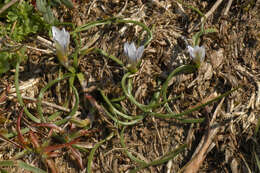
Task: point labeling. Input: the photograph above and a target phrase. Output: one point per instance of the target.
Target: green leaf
(4, 64)
(48, 16)
(196, 39)
(3, 171)
(6, 163)
(25, 19)
(257, 160)
(81, 79)
(210, 30)
(257, 127)
(67, 3)
(41, 5)
(28, 167)
(57, 1)
(162, 160)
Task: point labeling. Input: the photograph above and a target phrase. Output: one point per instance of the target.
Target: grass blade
(92, 152)
(173, 115)
(164, 159)
(7, 163)
(127, 152)
(28, 167)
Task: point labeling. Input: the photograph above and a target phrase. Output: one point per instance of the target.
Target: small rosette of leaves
(25, 19)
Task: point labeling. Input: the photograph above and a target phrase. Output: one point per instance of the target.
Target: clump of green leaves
(17, 22)
(45, 8)
(20, 20)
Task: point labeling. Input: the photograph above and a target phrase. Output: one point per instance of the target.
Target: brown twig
(61, 108)
(228, 7)
(210, 12)
(3, 138)
(213, 8)
(204, 145)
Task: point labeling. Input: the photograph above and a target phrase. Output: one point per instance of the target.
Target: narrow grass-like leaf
(194, 120)
(91, 24)
(191, 7)
(117, 111)
(22, 165)
(257, 127)
(57, 114)
(10, 135)
(50, 84)
(92, 152)
(74, 109)
(196, 38)
(81, 79)
(127, 152)
(210, 30)
(257, 160)
(54, 116)
(118, 61)
(116, 21)
(164, 159)
(127, 123)
(7, 163)
(28, 167)
(178, 70)
(149, 32)
(19, 97)
(67, 3)
(127, 91)
(119, 99)
(188, 111)
(3, 171)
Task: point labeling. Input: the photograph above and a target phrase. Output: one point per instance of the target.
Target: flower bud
(197, 53)
(133, 55)
(62, 40)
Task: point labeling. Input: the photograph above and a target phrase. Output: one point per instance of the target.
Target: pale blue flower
(133, 54)
(197, 53)
(62, 40)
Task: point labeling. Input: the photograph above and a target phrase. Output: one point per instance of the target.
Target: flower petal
(62, 39)
(132, 52)
(191, 51)
(55, 32)
(139, 52)
(197, 53)
(66, 38)
(203, 52)
(126, 45)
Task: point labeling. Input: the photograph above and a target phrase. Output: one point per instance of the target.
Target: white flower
(133, 54)
(62, 40)
(197, 53)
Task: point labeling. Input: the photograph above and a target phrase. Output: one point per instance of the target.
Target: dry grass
(232, 59)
